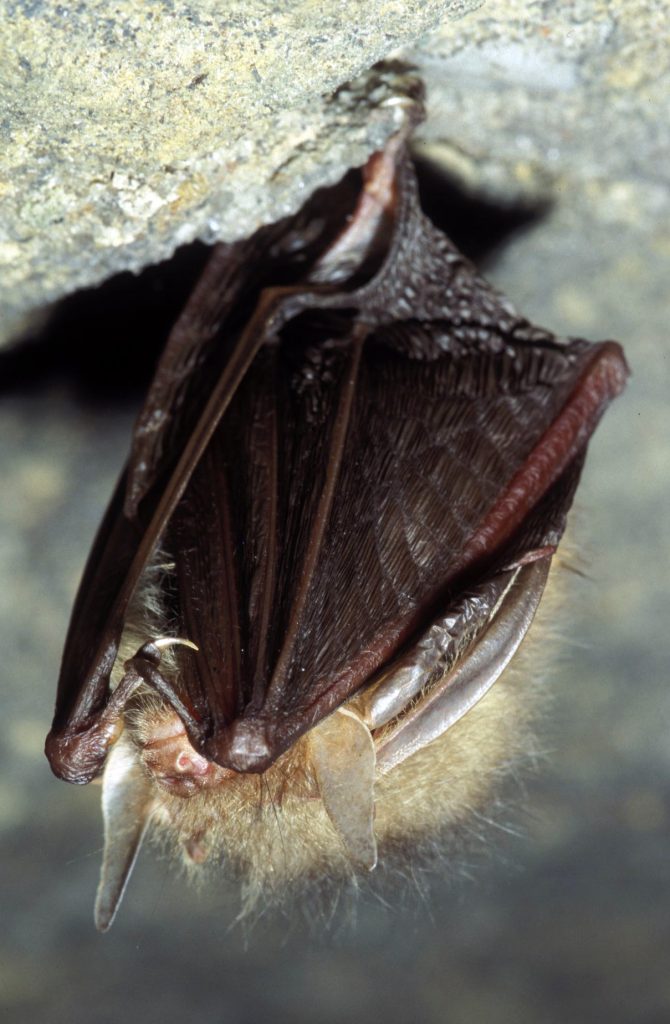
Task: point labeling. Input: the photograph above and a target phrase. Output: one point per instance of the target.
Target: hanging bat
(345, 489)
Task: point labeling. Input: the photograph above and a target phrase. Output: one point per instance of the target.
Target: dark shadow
(104, 341)
(477, 225)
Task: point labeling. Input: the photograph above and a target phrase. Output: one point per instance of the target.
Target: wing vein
(340, 429)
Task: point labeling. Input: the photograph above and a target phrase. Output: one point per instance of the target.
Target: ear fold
(127, 803)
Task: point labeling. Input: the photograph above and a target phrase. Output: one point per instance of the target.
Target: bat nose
(244, 746)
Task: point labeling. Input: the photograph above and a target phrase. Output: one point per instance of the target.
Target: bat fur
(271, 832)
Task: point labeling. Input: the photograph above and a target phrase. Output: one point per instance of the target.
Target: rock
(535, 99)
(132, 129)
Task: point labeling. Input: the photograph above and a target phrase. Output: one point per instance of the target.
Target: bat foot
(243, 746)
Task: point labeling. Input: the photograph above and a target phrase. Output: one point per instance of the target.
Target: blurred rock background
(131, 130)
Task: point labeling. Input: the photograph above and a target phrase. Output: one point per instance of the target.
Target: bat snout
(174, 764)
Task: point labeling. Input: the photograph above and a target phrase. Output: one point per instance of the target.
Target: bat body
(347, 483)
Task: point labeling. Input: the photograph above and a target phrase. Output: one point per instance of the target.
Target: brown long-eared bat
(334, 528)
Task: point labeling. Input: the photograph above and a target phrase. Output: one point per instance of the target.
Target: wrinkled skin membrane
(346, 487)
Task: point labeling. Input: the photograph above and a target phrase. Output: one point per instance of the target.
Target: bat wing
(143, 502)
(205, 339)
(348, 493)
(230, 315)
(325, 464)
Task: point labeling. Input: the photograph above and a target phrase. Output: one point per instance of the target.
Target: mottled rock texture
(544, 97)
(130, 128)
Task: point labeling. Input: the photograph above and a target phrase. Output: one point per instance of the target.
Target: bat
(344, 492)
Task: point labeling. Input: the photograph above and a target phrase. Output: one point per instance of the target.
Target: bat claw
(174, 641)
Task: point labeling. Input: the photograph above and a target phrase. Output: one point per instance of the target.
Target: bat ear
(343, 758)
(127, 799)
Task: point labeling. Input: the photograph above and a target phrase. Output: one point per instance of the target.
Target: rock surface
(132, 128)
(545, 97)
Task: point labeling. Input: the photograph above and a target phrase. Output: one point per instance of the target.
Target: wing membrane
(430, 446)
(326, 461)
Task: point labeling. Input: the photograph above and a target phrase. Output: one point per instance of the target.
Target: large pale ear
(127, 799)
(343, 758)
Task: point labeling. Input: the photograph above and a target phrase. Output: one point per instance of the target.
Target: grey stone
(128, 129)
(542, 98)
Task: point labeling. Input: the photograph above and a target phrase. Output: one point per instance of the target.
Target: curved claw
(174, 641)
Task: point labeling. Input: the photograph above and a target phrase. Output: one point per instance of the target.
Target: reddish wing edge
(255, 738)
(444, 287)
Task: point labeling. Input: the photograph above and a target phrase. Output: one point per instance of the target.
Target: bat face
(348, 481)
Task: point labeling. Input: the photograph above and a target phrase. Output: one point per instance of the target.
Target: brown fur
(272, 831)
